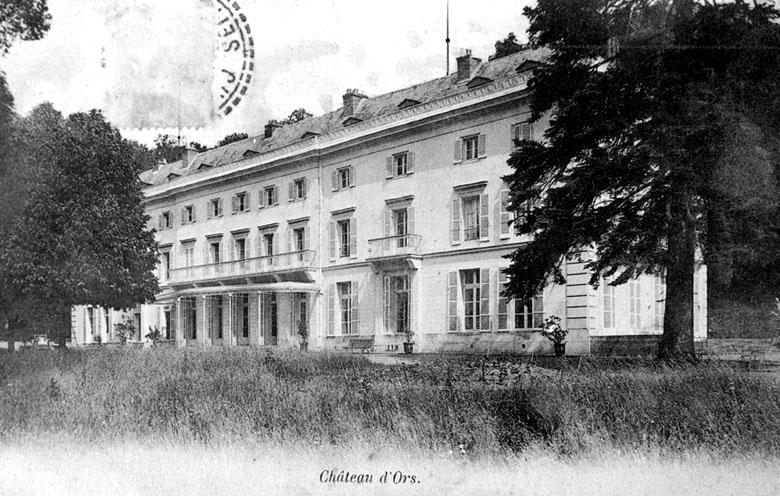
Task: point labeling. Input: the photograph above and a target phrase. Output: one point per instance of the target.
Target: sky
(156, 67)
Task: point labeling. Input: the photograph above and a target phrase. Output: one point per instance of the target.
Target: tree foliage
(232, 138)
(507, 46)
(664, 118)
(23, 20)
(82, 237)
(168, 150)
(296, 115)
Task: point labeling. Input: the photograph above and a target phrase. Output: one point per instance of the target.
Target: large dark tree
(656, 109)
(82, 237)
(22, 19)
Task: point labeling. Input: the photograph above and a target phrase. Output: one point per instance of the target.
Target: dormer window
(351, 120)
(251, 153)
(172, 176)
(309, 134)
(408, 102)
(478, 81)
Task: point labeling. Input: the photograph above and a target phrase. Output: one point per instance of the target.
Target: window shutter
(290, 241)
(452, 301)
(291, 191)
(331, 309)
(234, 204)
(183, 215)
(455, 224)
(388, 224)
(334, 180)
(219, 207)
(194, 213)
(484, 299)
(481, 146)
(276, 195)
(503, 215)
(248, 202)
(233, 250)
(484, 217)
(355, 317)
(458, 151)
(389, 168)
(160, 222)
(527, 131)
(388, 306)
(409, 220)
(352, 176)
(305, 187)
(353, 237)
(515, 135)
(261, 200)
(276, 244)
(209, 206)
(410, 163)
(332, 242)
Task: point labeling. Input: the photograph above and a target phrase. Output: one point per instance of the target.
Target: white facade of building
(385, 215)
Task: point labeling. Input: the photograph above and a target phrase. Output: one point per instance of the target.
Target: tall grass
(319, 400)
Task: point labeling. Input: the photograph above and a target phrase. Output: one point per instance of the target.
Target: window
(166, 220)
(470, 148)
(608, 303)
(397, 303)
(215, 255)
(269, 196)
(189, 317)
(214, 316)
(165, 272)
(343, 178)
(503, 302)
(269, 247)
(529, 313)
(240, 251)
(240, 202)
(168, 313)
(476, 299)
(470, 218)
(400, 220)
(635, 304)
(522, 131)
(300, 311)
(343, 231)
(297, 189)
(189, 255)
(400, 164)
(299, 239)
(188, 214)
(342, 302)
(214, 208)
(343, 239)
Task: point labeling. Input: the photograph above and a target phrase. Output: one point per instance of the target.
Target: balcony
(396, 250)
(293, 266)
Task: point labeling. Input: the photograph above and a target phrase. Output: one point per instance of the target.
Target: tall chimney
(466, 65)
(270, 128)
(351, 100)
(187, 156)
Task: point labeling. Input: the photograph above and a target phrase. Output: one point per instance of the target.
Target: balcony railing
(298, 260)
(395, 246)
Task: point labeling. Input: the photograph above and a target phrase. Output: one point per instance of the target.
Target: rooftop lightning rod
(447, 39)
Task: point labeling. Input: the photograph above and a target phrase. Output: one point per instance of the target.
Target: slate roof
(366, 109)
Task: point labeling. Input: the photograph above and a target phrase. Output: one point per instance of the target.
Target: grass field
(198, 418)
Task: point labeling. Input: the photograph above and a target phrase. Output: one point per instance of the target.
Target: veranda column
(229, 336)
(179, 330)
(203, 338)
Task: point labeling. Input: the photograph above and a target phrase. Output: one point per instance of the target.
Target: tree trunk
(677, 338)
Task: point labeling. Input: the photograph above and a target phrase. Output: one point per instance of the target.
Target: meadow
(480, 411)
